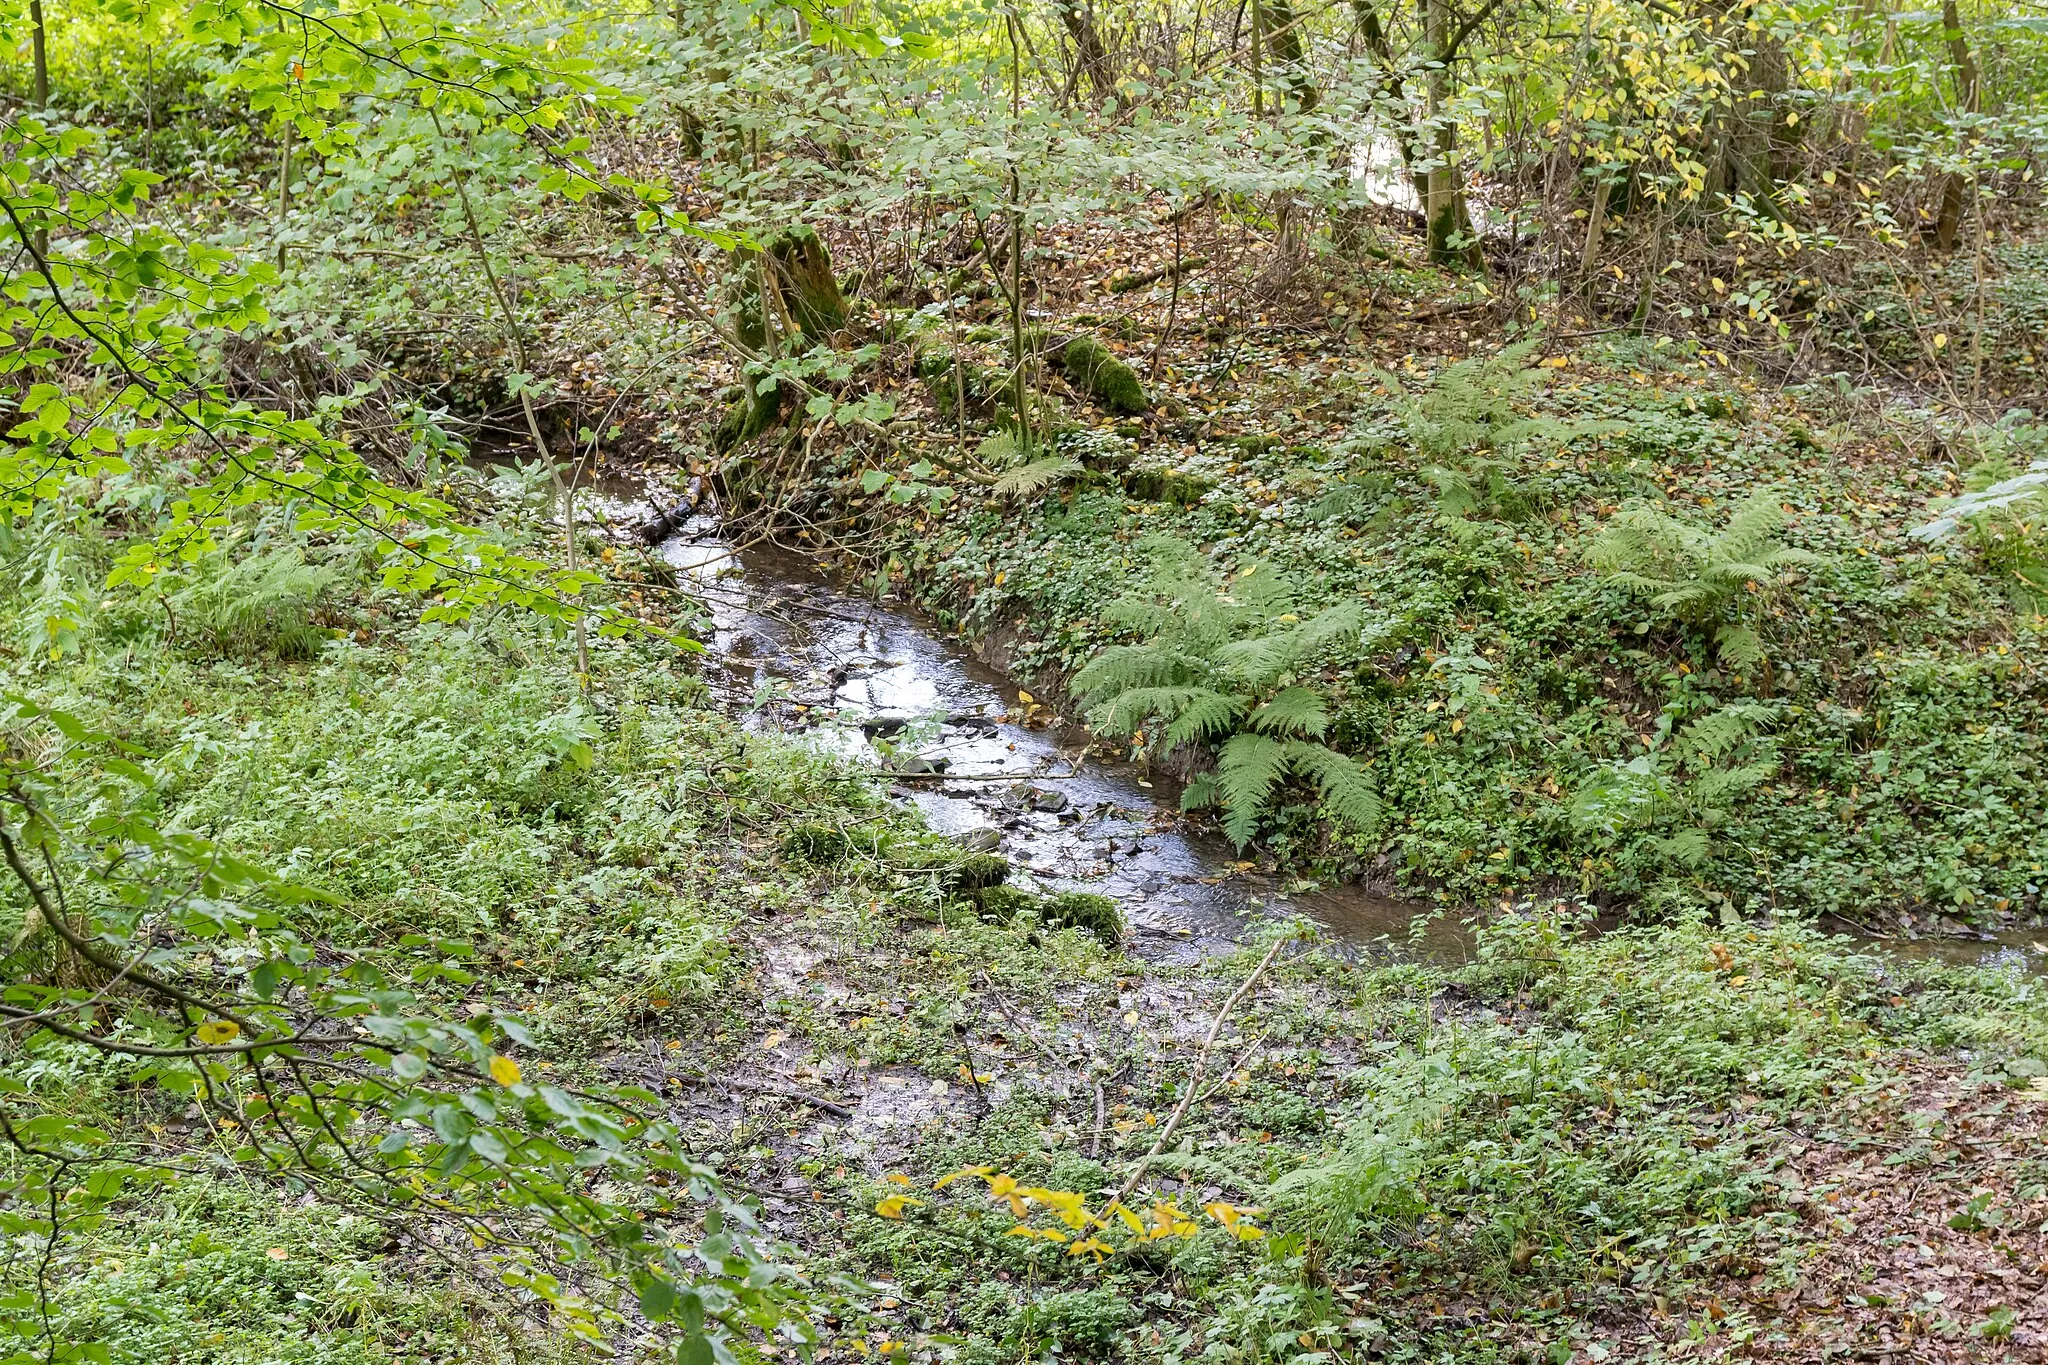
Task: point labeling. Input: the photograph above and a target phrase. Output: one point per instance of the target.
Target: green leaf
(1247, 770)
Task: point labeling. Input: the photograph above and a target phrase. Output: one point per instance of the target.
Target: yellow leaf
(897, 1178)
(214, 1032)
(1094, 1246)
(961, 1174)
(893, 1206)
(504, 1071)
(1940, 340)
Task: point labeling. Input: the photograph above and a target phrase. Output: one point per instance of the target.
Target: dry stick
(1194, 1081)
(1172, 309)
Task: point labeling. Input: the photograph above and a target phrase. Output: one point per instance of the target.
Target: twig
(1194, 1081)
(788, 1092)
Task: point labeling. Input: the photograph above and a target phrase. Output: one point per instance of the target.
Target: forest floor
(1675, 1142)
(1718, 1133)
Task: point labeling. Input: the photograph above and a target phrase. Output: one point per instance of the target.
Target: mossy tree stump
(797, 268)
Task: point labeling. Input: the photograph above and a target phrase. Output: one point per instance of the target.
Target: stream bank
(989, 763)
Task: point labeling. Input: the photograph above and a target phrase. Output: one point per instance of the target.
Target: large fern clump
(1670, 802)
(1712, 579)
(1217, 664)
(260, 604)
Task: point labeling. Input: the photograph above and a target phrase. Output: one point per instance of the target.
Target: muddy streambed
(986, 765)
(794, 652)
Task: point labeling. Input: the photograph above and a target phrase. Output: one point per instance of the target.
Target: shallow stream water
(795, 652)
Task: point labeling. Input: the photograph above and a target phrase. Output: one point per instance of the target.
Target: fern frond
(1201, 793)
(1204, 715)
(258, 604)
(1722, 785)
(1715, 736)
(1130, 710)
(1035, 477)
(1246, 771)
(1344, 621)
(1750, 530)
(1122, 667)
(1257, 662)
(1738, 646)
(1688, 848)
(1294, 711)
(1347, 792)
(1455, 497)
(1684, 597)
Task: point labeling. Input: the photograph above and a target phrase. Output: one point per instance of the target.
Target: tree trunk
(40, 46)
(1963, 70)
(1289, 54)
(1749, 132)
(1090, 53)
(1596, 223)
(1443, 208)
(1405, 134)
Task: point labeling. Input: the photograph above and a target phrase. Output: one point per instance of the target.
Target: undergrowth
(1608, 625)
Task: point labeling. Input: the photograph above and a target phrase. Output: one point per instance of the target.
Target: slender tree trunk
(39, 44)
(1406, 137)
(1258, 56)
(1596, 222)
(284, 187)
(39, 41)
(1284, 44)
(1443, 207)
(1962, 70)
(1090, 53)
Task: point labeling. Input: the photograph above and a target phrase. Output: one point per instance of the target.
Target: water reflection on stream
(797, 654)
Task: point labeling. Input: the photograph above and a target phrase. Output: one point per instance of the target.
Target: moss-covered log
(1150, 483)
(1098, 372)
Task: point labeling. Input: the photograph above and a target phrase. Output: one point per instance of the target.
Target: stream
(794, 652)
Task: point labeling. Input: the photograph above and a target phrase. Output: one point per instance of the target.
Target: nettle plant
(1219, 663)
